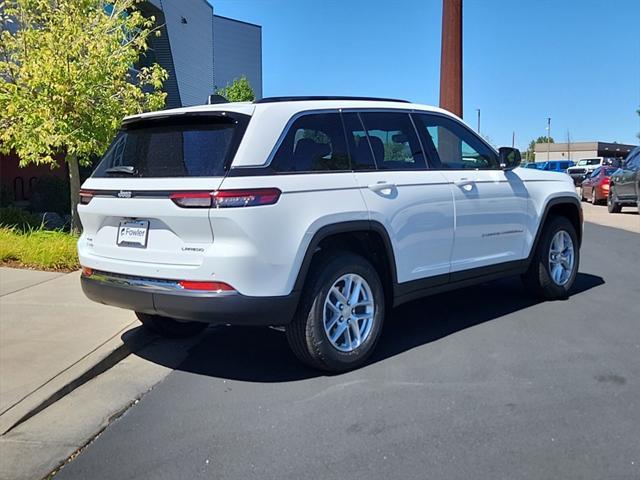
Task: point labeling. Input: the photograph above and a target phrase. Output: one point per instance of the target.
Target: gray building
(201, 51)
(577, 150)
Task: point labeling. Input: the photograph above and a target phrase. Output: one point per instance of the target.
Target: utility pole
(513, 139)
(569, 144)
(478, 130)
(451, 57)
(548, 136)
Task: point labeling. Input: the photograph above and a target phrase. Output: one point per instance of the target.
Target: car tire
(612, 204)
(170, 328)
(594, 199)
(319, 316)
(542, 278)
(582, 197)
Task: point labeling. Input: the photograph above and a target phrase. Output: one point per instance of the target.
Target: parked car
(535, 165)
(625, 184)
(596, 186)
(317, 214)
(586, 166)
(557, 165)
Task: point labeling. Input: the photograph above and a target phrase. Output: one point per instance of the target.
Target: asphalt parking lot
(479, 383)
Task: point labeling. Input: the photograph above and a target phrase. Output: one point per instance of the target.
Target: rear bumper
(210, 307)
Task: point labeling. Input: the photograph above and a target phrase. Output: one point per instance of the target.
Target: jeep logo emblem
(124, 194)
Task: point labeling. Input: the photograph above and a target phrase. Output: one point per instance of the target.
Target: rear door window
(313, 143)
(393, 139)
(190, 147)
(359, 147)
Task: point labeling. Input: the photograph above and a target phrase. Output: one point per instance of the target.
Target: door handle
(380, 186)
(464, 183)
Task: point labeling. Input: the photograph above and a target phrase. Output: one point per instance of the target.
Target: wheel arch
(566, 206)
(364, 237)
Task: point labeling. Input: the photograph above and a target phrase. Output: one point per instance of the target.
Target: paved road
(479, 383)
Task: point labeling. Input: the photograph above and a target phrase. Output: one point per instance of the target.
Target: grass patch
(38, 248)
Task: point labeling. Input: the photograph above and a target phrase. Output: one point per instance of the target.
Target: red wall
(21, 179)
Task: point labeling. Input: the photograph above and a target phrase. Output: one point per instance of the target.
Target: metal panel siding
(238, 51)
(191, 47)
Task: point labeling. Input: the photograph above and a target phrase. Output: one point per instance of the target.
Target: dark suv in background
(625, 184)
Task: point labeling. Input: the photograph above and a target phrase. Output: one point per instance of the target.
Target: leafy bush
(42, 249)
(19, 219)
(50, 194)
(238, 91)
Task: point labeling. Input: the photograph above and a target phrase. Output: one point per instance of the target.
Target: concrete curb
(101, 359)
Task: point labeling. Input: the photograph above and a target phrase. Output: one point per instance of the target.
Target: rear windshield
(201, 146)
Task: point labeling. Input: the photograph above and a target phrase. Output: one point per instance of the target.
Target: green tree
(66, 79)
(238, 91)
(529, 155)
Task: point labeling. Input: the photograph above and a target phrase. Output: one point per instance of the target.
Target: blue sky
(576, 61)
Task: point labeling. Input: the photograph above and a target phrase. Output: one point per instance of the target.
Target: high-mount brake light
(85, 196)
(227, 198)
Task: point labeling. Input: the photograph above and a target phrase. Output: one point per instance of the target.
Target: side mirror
(510, 158)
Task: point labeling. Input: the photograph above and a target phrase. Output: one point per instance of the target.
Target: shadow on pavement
(258, 354)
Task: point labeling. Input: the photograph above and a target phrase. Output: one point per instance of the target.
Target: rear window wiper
(123, 169)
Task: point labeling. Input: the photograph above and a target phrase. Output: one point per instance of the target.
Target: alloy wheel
(349, 310)
(561, 258)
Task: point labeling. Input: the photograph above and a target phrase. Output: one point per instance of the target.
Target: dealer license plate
(133, 233)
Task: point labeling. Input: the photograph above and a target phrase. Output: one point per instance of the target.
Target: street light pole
(548, 136)
(478, 130)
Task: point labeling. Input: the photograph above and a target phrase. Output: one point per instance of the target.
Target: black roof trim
(303, 99)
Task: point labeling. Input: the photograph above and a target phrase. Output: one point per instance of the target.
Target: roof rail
(303, 99)
(215, 99)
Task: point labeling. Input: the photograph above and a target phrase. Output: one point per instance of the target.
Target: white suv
(317, 214)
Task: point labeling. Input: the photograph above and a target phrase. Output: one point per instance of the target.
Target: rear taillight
(227, 198)
(192, 199)
(245, 198)
(85, 196)
(206, 286)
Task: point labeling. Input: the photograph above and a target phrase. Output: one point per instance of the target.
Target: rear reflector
(87, 272)
(85, 196)
(227, 198)
(206, 286)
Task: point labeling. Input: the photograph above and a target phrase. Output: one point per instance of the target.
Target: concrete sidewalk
(50, 336)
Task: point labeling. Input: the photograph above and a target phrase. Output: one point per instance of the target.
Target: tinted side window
(393, 140)
(315, 142)
(457, 148)
(359, 147)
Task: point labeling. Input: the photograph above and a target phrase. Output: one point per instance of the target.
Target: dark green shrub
(50, 194)
(17, 218)
(6, 196)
